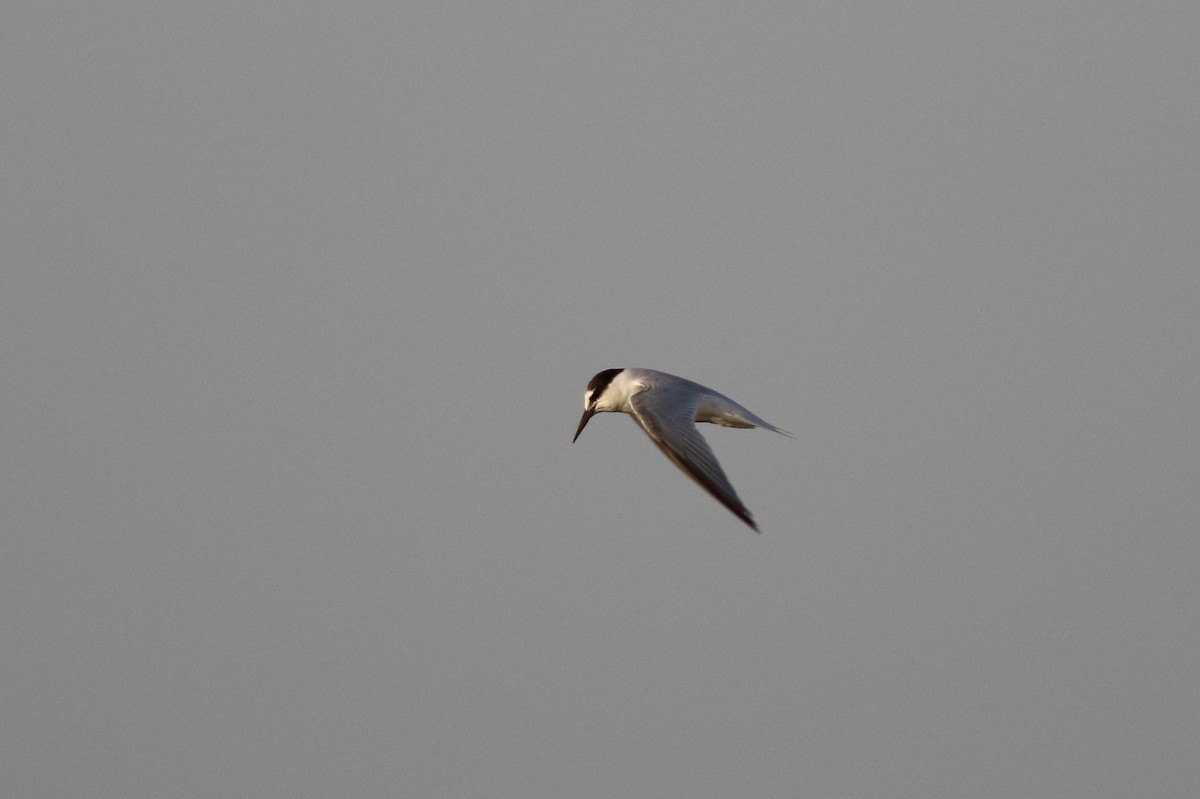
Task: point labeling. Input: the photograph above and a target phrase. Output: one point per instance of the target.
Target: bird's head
(595, 399)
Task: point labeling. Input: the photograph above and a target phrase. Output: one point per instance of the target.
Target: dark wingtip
(744, 514)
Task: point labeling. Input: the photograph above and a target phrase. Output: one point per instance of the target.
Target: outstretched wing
(667, 415)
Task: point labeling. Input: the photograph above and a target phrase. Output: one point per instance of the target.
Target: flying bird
(667, 408)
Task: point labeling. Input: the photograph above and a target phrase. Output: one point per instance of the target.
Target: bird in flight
(667, 408)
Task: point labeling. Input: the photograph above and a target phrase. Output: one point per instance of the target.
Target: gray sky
(298, 306)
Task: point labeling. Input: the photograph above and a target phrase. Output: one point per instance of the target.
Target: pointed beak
(588, 414)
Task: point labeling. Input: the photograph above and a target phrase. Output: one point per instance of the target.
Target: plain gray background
(300, 299)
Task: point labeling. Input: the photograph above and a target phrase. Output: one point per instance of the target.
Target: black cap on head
(601, 380)
(595, 388)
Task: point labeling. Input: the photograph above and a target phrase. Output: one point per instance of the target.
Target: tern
(667, 408)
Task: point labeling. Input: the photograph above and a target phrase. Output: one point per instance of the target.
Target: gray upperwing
(667, 416)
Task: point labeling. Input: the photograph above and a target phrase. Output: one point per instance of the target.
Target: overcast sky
(298, 304)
